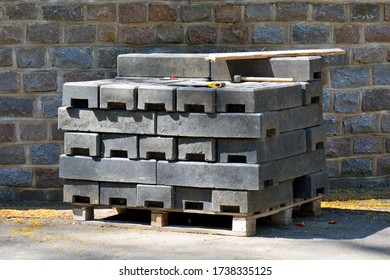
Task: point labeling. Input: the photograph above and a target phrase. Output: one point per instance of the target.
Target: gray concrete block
(300, 117)
(301, 69)
(198, 199)
(83, 213)
(119, 145)
(155, 196)
(283, 218)
(108, 169)
(224, 125)
(86, 192)
(163, 65)
(300, 165)
(315, 137)
(158, 148)
(312, 92)
(118, 194)
(106, 121)
(191, 149)
(76, 143)
(311, 185)
(217, 175)
(195, 99)
(261, 150)
(157, 98)
(121, 95)
(258, 97)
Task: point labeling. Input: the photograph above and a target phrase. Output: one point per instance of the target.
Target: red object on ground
(332, 222)
(301, 224)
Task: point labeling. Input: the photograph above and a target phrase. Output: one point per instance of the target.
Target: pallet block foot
(283, 217)
(159, 219)
(312, 208)
(244, 225)
(83, 213)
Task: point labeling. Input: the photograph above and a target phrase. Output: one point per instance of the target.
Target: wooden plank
(268, 54)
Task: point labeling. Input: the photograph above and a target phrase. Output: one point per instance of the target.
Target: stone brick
(227, 13)
(388, 145)
(45, 33)
(9, 81)
(7, 132)
(15, 107)
(63, 12)
(235, 34)
(80, 34)
(365, 12)
(376, 99)
(268, 34)
(347, 33)
(12, 155)
(48, 178)
(22, 11)
(82, 76)
(331, 125)
(326, 100)
(385, 123)
(329, 12)
(50, 105)
(65, 57)
(11, 33)
(31, 57)
(387, 12)
(107, 33)
(5, 57)
(383, 166)
(31, 131)
(258, 12)
(336, 60)
(345, 77)
(381, 74)
(190, 13)
(132, 12)
(45, 154)
(139, 35)
(335, 148)
(356, 168)
(367, 145)
(202, 34)
(56, 134)
(291, 11)
(363, 124)
(369, 55)
(333, 169)
(162, 12)
(107, 57)
(40, 81)
(170, 33)
(15, 177)
(347, 102)
(101, 12)
(310, 34)
(377, 33)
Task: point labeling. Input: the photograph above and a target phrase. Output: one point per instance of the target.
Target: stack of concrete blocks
(144, 141)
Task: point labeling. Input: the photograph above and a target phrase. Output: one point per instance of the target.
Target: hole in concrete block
(79, 151)
(155, 155)
(317, 75)
(236, 159)
(192, 205)
(195, 157)
(118, 154)
(116, 105)
(154, 204)
(154, 106)
(194, 108)
(229, 209)
(79, 103)
(315, 100)
(235, 108)
(117, 201)
(268, 183)
(320, 190)
(271, 132)
(81, 199)
(320, 145)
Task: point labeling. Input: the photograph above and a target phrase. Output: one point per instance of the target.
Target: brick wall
(44, 44)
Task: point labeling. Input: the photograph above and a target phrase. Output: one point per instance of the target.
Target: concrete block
(283, 218)
(158, 148)
(204, 149)
(79, 143)
(261, 150)
(163, 65)
(300, 117)
(224, 125)
(300, 165)
(195, 99)
(155, 196)
(217, 175)
(106, 121)
(118, 96)
(119, 145)
(244, 225)
(312, 208)
(315, 137)
(311, 185)
(312, 92)
(108, 169)
(157, 98)
(159, 219)
(301, 69)
(118, 194)
(83, 213)
(86, 192)
(198, 199)
(258, 97)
